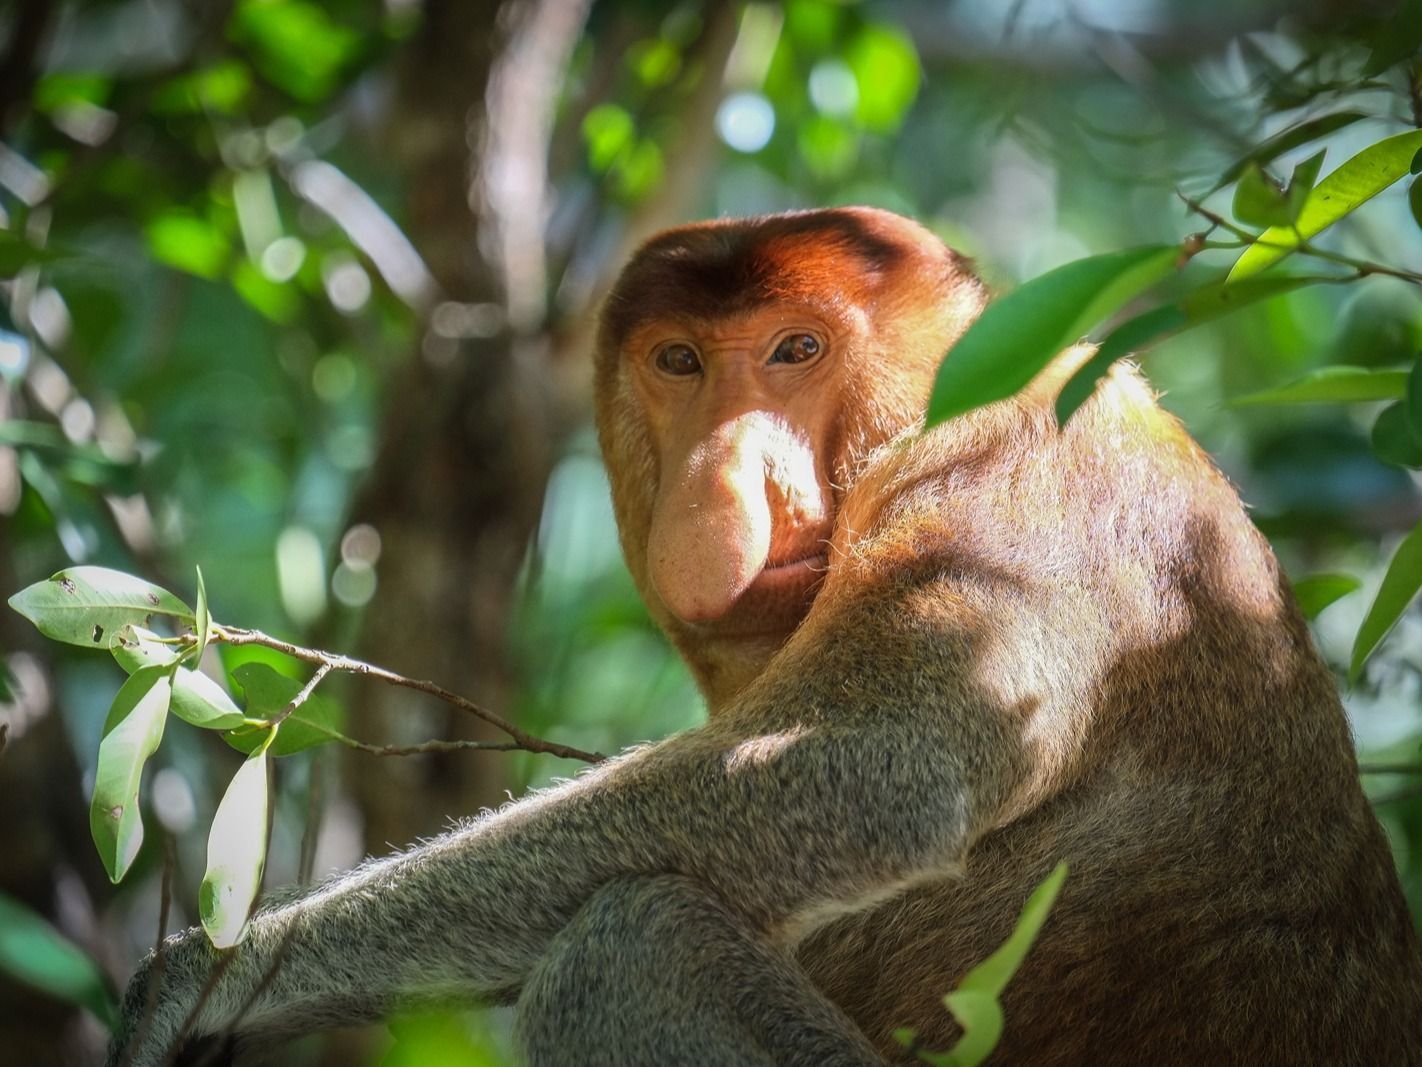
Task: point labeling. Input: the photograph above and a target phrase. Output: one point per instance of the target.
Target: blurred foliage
(207, 297)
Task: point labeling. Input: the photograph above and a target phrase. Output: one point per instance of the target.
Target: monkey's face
(745, 369)
(743, 417)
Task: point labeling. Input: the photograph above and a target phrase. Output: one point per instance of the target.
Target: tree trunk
(468, 438)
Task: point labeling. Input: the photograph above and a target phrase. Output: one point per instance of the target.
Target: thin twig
(1410, 793)
(302, 696)
(416, 750)
(311, 831)
(522, 740)
(214, 976)
(155, 973)
(1414, 91)
(1364, 267)
(1391, 768)
(229, 1033)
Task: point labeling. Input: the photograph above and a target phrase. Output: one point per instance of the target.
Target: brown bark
(49, 863)
(468, 439)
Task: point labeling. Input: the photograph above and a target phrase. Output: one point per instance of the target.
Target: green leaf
(1396, 35)
(443, 1037)
(277, 301)
(980, 1016)
(65, 89)
(1353, 184)
(1414, 201)
(1333, 385)
(640, 170)
(608, 131)
(1317, 591)
(885, 66)
(269, 693)
(197, 699)
(1131, 336)
(131, 734)
(1259, 200)
(655, 62)
(221, 88)
(202, 619)
(84, 464)
(236, 853)
(189, 244)
(35, 953)
(296, 44)
(1196, 307)
(1019, 334)
(992, 975)
(1399, 586)
(16, 254)
(1281, 142)
(1301, 184)
(1392, 438)
(1413, 399)
(86, 606)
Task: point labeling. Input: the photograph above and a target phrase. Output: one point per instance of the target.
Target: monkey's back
(1231, 897)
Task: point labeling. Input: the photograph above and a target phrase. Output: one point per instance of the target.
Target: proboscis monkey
(936, 664)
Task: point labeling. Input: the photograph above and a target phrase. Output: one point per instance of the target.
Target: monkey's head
(745, 368)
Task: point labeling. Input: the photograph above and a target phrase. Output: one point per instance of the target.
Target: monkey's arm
(830, 783)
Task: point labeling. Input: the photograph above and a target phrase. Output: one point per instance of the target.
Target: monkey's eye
(797, 348)
(680, 360)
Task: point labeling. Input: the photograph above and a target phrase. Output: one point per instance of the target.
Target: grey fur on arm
(777, 823)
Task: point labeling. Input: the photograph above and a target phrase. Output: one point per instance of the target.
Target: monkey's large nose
(710, 534)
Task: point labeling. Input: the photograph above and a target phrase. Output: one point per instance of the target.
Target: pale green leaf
(1317, 591)
(202, 618)
(35, 953)
(131, 734)
(992, 975)
(1353, 184)
(1334, 385)
(197, 699)
(980, 1016)
(1019, 334)
(1399, 586)
(85, 606)
(236, 853)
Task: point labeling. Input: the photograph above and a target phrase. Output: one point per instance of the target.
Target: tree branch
(327, 662)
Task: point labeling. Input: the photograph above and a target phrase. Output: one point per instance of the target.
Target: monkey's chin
(775, 603)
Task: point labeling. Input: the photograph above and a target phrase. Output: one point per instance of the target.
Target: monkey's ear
(1044, 389)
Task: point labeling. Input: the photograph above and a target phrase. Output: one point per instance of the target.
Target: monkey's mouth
(775, 602)
(812, 567)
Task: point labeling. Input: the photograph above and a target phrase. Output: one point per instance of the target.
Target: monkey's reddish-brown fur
(1145, 699)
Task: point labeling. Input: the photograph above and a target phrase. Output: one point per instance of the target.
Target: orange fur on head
(709, 493)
